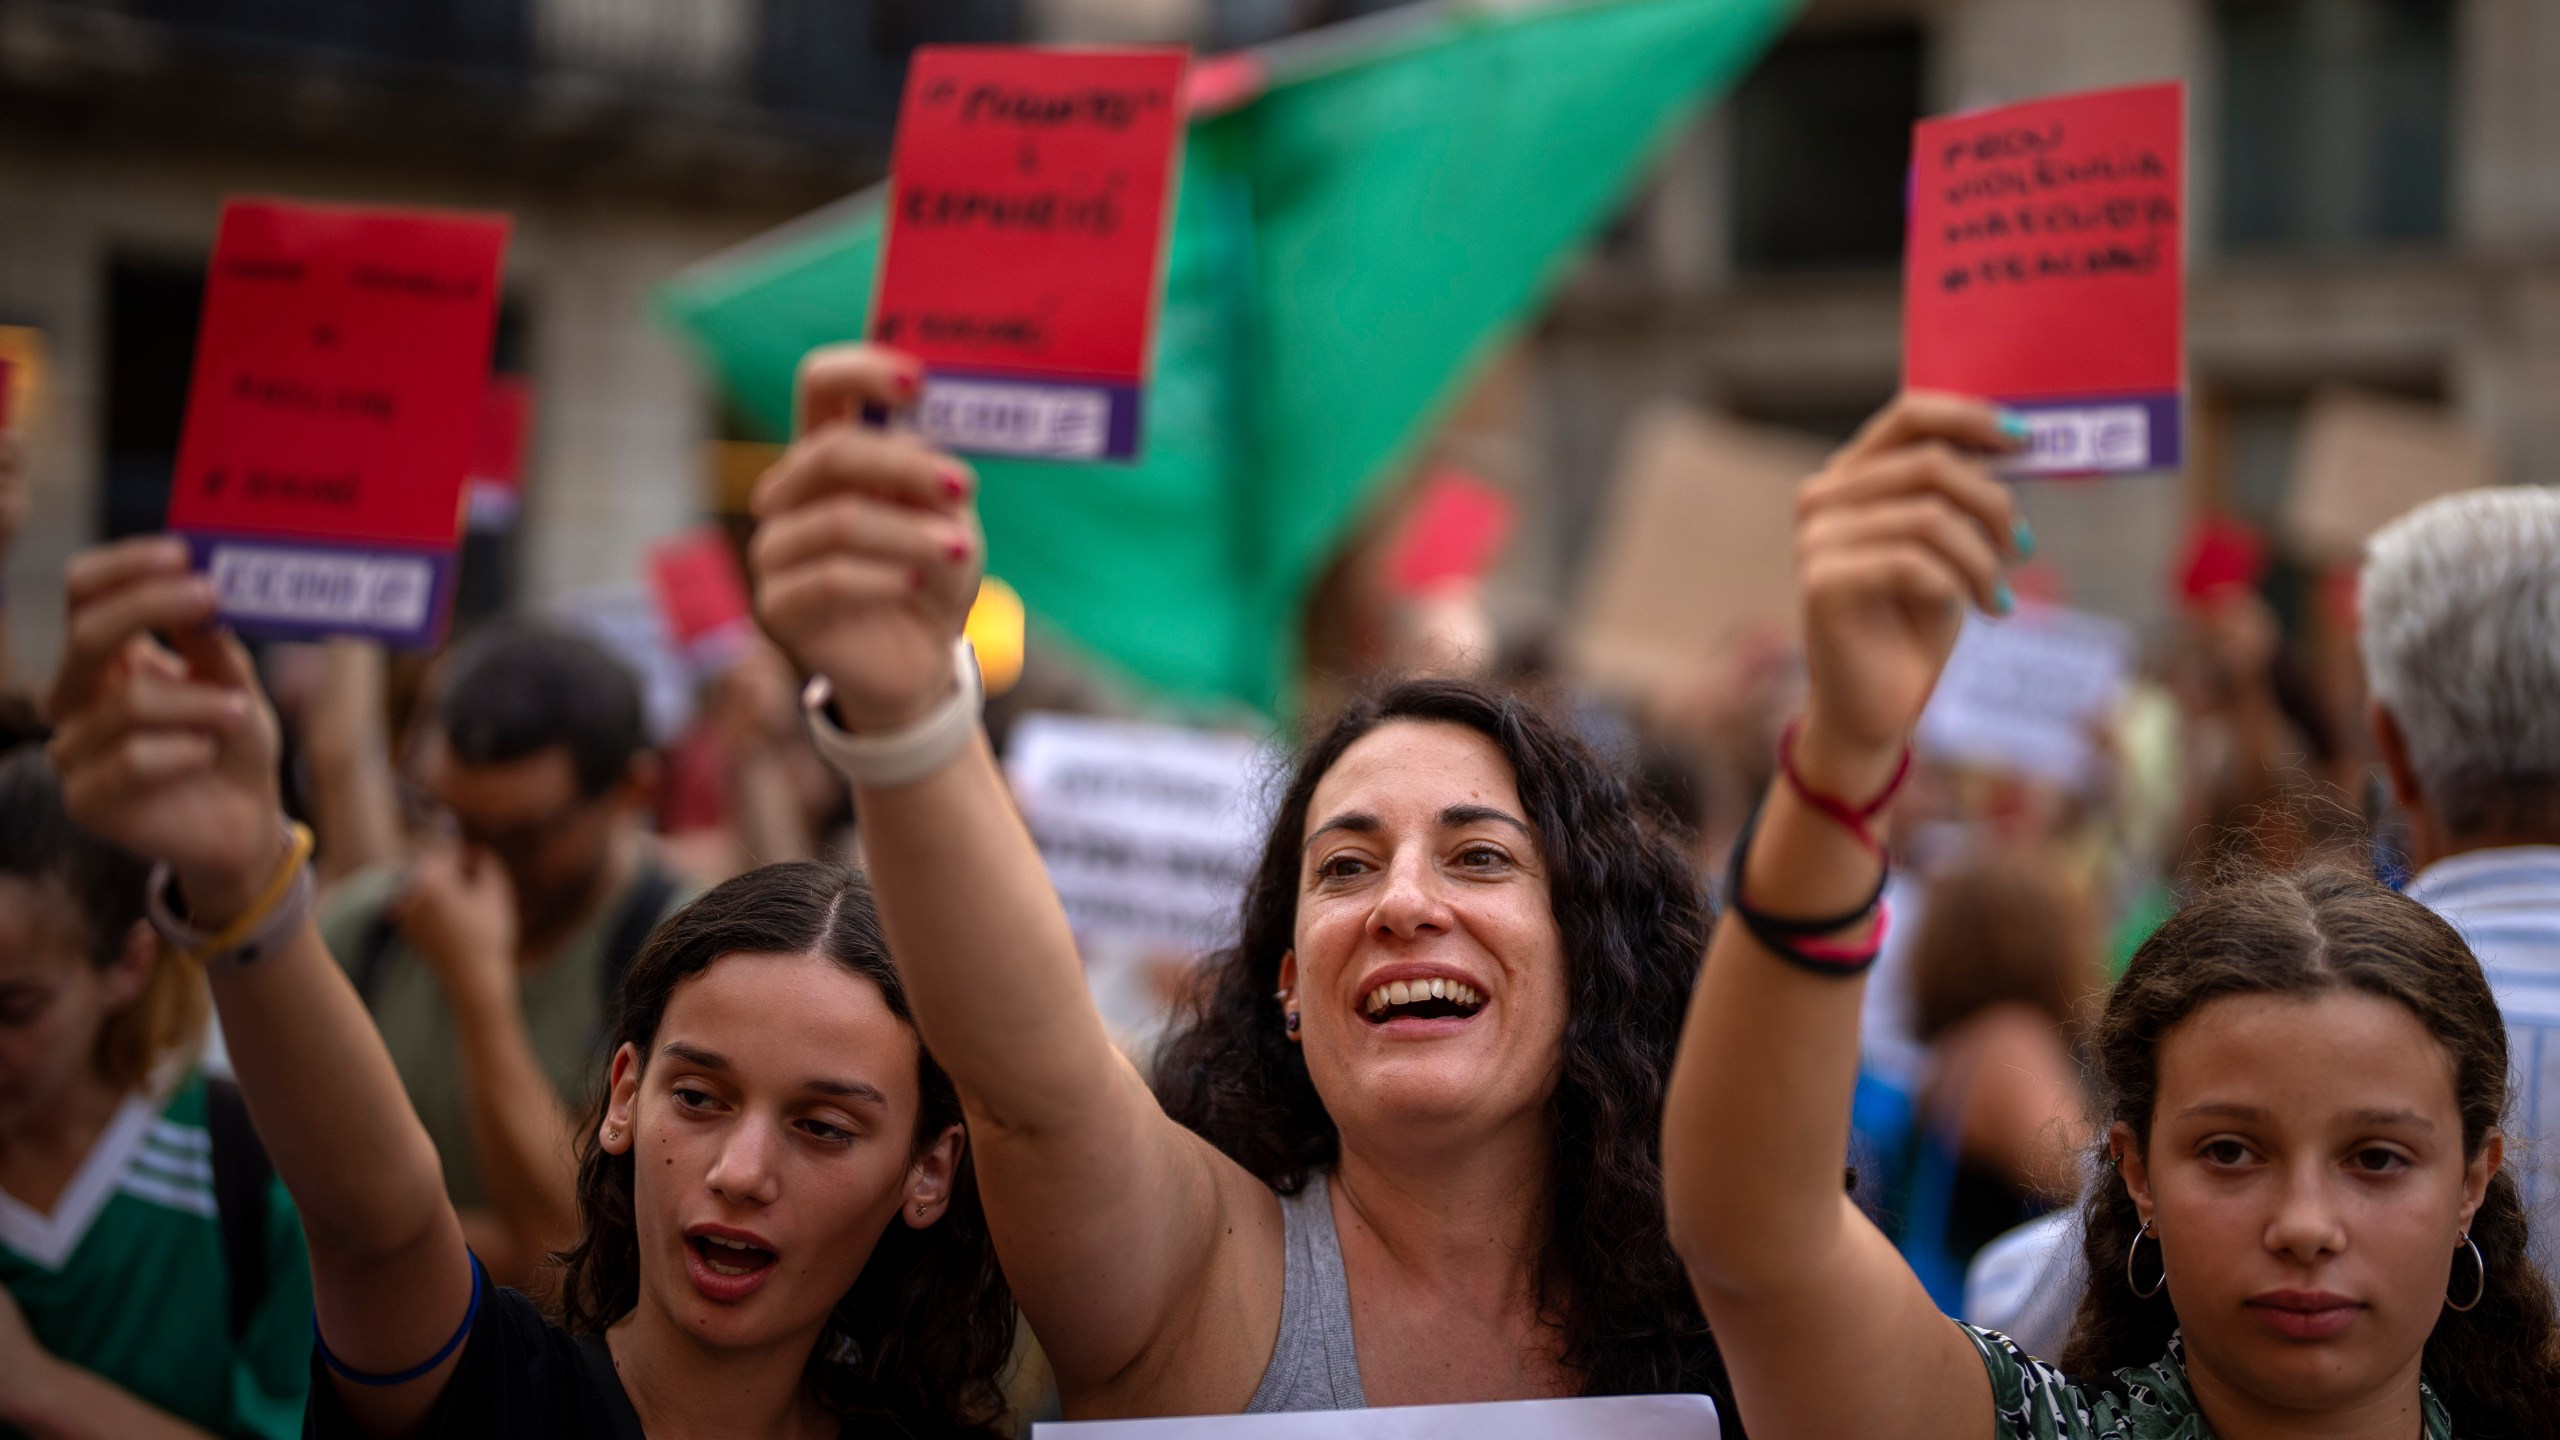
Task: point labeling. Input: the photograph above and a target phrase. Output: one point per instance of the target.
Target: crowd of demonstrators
(152, 1277)
(2302, 1078)
(1413, 1136)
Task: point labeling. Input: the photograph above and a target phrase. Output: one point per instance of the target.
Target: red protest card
(1030, 199)
(341, 369)
(1455, 534)
(2045, 271)
(701, 592)
(496, 490)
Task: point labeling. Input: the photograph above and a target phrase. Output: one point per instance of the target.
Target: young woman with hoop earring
(2306, 1230)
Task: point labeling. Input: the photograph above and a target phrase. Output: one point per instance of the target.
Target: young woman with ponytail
(2305, 1229)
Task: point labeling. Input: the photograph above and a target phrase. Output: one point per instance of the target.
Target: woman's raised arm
(172, 755)
(1112, 1220)
(1824, 1328)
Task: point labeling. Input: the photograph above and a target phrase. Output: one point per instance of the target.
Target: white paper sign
(1149, 831)
(1599, 1417)
(2023, 694)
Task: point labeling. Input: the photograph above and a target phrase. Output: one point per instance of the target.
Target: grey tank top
(1314, 1365)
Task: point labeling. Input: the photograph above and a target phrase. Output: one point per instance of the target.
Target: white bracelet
(905, 756)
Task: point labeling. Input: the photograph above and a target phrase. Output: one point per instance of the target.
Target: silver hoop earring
(2135, 1249)
(2481, 1291)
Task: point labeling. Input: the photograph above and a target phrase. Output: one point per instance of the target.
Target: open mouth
(1430, 999)
(728, 1258)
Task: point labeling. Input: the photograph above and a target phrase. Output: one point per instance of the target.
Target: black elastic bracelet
(340, 1368)
(1779, 934)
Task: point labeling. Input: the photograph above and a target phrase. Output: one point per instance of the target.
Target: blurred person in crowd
(152, 1279)
(2308, 1230)
(742, 787)
(2461, 640)
(1403, 1152)
(489, 959)
(1999, 971)
(778, 1229)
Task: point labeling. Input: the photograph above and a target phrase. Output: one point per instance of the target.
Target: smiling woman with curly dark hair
(1630, 923)
(1406, 1152)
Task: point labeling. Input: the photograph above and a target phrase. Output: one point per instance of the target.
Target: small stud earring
(1293, 1022)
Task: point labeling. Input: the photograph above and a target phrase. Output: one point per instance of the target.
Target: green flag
(1349, 246)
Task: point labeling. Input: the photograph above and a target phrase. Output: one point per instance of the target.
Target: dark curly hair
(1633, 919)
(2312, 932)
(920, 1342)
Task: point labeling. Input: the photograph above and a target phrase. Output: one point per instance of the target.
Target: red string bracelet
(1852, 817)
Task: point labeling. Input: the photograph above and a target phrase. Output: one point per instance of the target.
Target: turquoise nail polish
(2015, 426)
(2024, 537)
(2002, 602)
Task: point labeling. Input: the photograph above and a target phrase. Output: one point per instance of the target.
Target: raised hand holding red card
(1031, 193)
(341, 370)
(2045, 271)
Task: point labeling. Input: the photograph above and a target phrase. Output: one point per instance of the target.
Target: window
(1821, 146)
(2336, 122)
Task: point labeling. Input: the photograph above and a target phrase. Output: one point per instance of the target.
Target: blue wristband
(340, 1368)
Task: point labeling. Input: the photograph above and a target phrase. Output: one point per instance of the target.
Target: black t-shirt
(520, 1378)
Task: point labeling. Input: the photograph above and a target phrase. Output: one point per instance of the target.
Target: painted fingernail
(958, 550)
(2002, 602)
(954, 480)
(910, 383)
(2024, 537)
(2015, 426)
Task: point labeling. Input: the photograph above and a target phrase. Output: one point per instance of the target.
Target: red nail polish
(909, 382)
(958, 550)
(954, 484)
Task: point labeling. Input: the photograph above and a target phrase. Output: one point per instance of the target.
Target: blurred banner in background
(1366, 213)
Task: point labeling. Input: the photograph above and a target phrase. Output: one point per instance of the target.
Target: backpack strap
(241, 1171)
(642, 906)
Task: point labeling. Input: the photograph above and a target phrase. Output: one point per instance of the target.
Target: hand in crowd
(170, 753)
(1902, 529)
(867, 552)
(460, 911)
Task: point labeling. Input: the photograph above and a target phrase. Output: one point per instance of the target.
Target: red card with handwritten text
(1030, 196)
(2045, 270)
(341, 368)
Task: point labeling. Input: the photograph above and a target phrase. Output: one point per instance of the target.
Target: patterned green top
(2031, 1400)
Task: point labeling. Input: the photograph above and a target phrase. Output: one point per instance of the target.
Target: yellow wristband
(193, 945)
